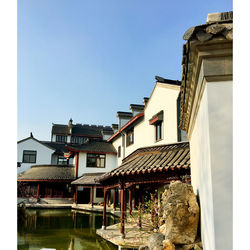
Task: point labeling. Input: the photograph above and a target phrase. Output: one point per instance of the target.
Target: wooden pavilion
(89, 183)
(146, 169)
(46, 181)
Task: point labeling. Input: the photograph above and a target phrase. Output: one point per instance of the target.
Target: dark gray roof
(168, 81)
(93, 146)
(153, 159)
(223, 26)
(49, 172)
(60, 129)
(87, 130)
(60, 148)
(80, 130)
(88, 179)
(124, 114)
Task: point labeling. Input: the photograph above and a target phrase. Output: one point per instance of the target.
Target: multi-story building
(154, 123)
(44, 163)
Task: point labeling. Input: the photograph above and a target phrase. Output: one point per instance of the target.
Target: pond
(61, 229)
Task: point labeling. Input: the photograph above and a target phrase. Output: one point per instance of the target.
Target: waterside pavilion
(47, 181)
(146, 169)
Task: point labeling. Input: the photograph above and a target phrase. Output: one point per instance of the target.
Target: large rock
(155, 241)
(168, 245)
(180, 213)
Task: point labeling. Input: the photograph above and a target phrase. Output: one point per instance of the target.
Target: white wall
(211, 159)
(201, 178)
(43, 154)
(110, 164)
(164, 97)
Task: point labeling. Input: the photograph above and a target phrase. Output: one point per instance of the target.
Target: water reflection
(61, 229)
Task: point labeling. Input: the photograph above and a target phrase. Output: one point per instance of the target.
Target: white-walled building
(206, 115)
(31, 151)
(91, 159)
(152, 124)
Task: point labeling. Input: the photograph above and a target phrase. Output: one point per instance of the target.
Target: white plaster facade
(43, 153)
(207, 118)
(211, 148)
(110, 164)
(164, 97)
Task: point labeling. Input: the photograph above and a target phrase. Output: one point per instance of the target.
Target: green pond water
(61, 229)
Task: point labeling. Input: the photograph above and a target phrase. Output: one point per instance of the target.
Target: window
(29, 156)
(61, 160)
(158, 131)
(61, 138)
(119, 151)
(96, 160)
(99, 193)
(78, 139)
(130, 137)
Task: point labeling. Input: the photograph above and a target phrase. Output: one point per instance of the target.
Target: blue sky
(88, 59)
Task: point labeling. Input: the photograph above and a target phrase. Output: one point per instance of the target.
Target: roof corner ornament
(31, 135)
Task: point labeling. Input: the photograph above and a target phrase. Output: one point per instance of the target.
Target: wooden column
(139, 212)
(142, 201)
(114, 199)
(125, 204)
(51, 192)
(38, 187)
(130, 201)
(104, 210)
(134, 197)
(108, 196)
(76, 189)
(92, 196)
(122, 212)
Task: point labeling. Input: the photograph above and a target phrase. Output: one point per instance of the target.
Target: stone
(203, 36)
(155, 241)
(228, 34)
(195, 246)
(215, 28)
(143, 247)
(168, 245)
(163, 228)
(188, 33)
(181, 213)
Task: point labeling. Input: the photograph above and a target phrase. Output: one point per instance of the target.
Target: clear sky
(88, 59)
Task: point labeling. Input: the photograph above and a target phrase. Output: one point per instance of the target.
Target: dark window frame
(29, 154)
(61, 138)
(78, 139)
(98, 158)
(130, 137)
(63, 158)
(158, 132)
(119, 151)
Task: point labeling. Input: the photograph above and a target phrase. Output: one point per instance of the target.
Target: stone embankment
(179, 218)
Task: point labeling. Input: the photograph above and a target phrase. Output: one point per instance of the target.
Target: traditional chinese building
(206, 116)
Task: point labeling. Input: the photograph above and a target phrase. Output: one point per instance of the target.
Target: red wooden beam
(38, 187)
(114, 199)
(92, 196)
(122, 212)
(104, 210)
(130, 201)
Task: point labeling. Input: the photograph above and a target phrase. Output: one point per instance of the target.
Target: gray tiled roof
(88, 179)
(59, 147)
(153, 159)
(60, 129)
(163, 80)
(49, 172)
(94, 146)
